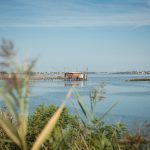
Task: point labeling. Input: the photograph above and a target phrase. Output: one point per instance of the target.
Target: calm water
(133, 97)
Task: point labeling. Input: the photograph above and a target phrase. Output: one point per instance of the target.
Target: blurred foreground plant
(15, 95)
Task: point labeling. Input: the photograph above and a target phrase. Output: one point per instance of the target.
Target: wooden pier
(64, 77)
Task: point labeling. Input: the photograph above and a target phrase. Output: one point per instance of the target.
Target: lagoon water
(133, 97)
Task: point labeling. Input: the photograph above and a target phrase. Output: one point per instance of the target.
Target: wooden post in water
(85, 78)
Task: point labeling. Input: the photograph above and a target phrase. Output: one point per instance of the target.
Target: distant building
(76, 75)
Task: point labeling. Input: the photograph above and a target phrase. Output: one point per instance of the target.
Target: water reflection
(45, 84)
(75, 83)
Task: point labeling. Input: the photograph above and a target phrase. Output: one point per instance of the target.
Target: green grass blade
(83, 107)
(10, 130)
(85, 143)
(10, 106)
(12, 95)
(31, 66)
(105, 114)
(6, 141)
(14, 98)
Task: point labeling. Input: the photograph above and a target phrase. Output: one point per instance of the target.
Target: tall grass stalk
(47, 131)
(15, 95)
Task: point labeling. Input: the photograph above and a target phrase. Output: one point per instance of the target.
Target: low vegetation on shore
(72, 133)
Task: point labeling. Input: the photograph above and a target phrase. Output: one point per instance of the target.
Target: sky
(72, 35)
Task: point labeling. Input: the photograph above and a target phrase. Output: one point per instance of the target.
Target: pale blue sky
(112, 35)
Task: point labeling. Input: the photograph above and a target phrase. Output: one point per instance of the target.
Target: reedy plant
(95, 134)
(15, 95)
